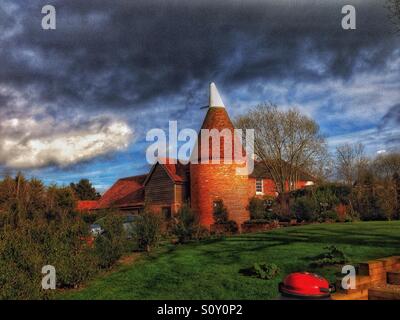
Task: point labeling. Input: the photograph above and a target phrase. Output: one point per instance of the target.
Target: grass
(210, 269)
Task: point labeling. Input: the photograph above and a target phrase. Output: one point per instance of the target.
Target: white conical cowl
(215, 98)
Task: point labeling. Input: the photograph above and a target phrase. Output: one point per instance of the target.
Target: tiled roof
(132, 199)
(261, 171)
(217, 118)
(122, 188)
(86, 205)
(127, 192)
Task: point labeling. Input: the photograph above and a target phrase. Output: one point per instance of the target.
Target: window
(259, 186)
(166, 211)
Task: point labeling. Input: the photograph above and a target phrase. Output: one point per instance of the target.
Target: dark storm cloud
(122, 54)
(392, 116)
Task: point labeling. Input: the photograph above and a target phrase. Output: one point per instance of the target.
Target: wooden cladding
(160, 187)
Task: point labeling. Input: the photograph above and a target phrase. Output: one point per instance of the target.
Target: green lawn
(210, 270)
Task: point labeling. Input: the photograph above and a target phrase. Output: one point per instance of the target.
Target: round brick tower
(212, 182)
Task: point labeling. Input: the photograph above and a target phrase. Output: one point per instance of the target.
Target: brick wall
(211, 182)
(269, 187)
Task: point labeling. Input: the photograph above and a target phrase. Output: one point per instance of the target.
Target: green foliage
(186, 226)
(339, 193)
(260, 208)
(21, 261)
(369, 202)
(112, 243)
(60, 201)
(84, 190)
(319, 203)
(220, 212)
(332, 256)
(305, 209)
(147, 231)
(24, 250)
(38, 227)
(262, 270)
(329, 215)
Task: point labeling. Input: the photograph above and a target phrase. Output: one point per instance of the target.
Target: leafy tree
(110, 245)
(147, 230)
(84, 190)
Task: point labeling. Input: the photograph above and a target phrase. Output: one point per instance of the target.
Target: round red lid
(305, 284)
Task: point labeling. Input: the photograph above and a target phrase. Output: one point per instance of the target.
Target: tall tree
(386, 165)
(84, 190)
(286, 142)
(396, 181)
(350, 162)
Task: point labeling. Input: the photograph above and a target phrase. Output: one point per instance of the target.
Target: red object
(87, 205)
(305, 285)
(88, 240)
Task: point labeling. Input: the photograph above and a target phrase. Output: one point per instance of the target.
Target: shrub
(262, 270)
(68, 252)
(368, 204)
(186, 226)
(257, 221)
(261, 208)
(147, 231)
(220, 212)
(231, 227)
(24, 250)
(338, 192)
(38, 227)
(332, 256)
(305, 209)
(20, 266)
(112, 243)
(329, 215)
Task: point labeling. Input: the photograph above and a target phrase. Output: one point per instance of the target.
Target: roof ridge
(131, 177)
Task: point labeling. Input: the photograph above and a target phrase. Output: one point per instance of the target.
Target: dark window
(259, 186)
(166, 211)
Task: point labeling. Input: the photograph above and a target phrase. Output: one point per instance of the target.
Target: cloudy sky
(76, 102)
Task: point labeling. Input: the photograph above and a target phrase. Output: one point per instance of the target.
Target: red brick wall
(269, 187)
(211, 182)
(268, 184)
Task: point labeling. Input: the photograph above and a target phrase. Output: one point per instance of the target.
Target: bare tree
(386, 165)
(286, 142)
(394, 12)
(350, 162)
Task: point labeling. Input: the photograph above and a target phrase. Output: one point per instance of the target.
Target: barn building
(169, 185)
